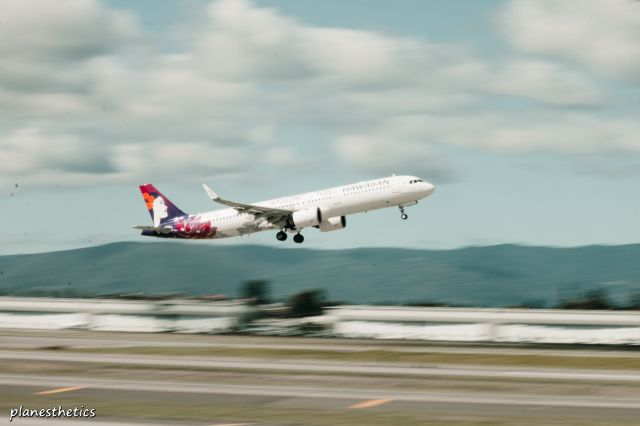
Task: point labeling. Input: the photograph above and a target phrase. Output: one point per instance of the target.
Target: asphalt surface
(313, 392)
(318, 366)
(578, 396)
(420, 405)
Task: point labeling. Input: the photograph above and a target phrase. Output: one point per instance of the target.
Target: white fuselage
(333, 202)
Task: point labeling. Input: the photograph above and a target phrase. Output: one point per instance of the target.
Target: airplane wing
(159, 229)
(271, 214)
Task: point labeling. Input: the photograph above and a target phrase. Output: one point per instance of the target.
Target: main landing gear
(403, 216)
(282, 236)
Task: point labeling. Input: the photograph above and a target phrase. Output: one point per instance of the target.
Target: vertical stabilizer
(160, 207)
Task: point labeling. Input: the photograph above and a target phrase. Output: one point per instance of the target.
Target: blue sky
(521, 113)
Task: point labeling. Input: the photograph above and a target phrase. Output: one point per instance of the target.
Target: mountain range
(498, 276)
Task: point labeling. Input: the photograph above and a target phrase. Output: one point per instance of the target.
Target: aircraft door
(397, 187)
(336, 199)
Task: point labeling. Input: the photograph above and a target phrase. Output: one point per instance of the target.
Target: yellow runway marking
(59, 390)
(371, 403)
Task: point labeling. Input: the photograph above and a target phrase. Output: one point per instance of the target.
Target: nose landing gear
(403, 215)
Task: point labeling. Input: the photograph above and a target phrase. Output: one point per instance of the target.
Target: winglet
(211, 193)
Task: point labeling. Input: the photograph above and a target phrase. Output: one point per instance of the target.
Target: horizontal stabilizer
(158, 229)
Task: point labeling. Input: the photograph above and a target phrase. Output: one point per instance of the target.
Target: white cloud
(262, 135)
(87, 83)
(546, 82)
(382, 155)
(282, 157)
(602, 34)
(567, 134)
(26, 150)
(416, 141)
(78, 29)
(168, 159)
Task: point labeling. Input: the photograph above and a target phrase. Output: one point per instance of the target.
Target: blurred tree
(593, 300)
(306, 304)
(425, 303)
(634, 300)
(257, 290)
(530, 304)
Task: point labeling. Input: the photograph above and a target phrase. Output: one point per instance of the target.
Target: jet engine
(307, 218)
(333, 224)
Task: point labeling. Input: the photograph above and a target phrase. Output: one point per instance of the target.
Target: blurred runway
(394, 369)
(174, 379)
(175, 389)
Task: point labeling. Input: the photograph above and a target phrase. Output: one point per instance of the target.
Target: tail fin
(160, 207)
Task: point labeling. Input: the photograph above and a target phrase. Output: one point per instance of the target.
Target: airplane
(326, 210)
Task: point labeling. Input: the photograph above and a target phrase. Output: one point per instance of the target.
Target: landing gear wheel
(403, 216)
(281, 236)
(298, 238)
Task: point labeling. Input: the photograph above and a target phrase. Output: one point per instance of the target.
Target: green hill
(480, 276)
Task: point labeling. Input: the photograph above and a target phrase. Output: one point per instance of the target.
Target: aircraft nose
(428, 188)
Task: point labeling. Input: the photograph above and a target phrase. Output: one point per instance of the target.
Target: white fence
(488, 325)
(187, 316)
(377, 322)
